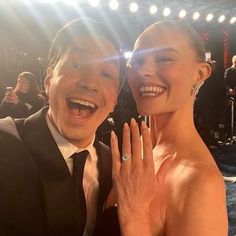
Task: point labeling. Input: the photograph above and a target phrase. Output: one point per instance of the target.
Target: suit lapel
(105, 169)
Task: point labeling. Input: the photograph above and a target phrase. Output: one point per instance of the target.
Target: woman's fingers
(115, 154)
(136, 143)
(147, 146)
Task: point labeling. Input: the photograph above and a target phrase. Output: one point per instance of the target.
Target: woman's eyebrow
(156, 50)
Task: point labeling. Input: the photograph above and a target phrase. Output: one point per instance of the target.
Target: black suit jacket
(230, 78)
(42, 180)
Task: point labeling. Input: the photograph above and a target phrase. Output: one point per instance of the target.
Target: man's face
(82, 88)
(234, 61)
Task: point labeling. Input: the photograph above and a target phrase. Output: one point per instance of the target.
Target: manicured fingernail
(133, 122)
(143, 125)
(113, 135)
(126, 126)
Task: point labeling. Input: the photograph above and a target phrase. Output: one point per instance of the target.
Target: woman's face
(162, 71)
(23, 85)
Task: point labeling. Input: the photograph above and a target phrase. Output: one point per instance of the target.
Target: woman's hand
(12, 98)
(134, 179)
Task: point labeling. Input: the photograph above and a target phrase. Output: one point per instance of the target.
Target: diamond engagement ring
(125, 157)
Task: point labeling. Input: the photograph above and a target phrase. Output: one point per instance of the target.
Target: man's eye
(107, 75)
(75, 65)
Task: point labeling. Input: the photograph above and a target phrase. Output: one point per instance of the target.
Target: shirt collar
(66, 148)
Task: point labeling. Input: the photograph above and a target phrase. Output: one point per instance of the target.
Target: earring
(128, 64)
(195, 88)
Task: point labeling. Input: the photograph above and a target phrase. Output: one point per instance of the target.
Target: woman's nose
(147, 69)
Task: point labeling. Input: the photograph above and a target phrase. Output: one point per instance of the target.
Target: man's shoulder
(8, 127)
(230, 69)
(103, 146)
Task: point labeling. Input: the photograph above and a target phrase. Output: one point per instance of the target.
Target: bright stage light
(232, 20)
(114, 5)
(128, 55)
(166, 11)
(26, 1)
(182, 13)
(209, 17)
(133, 7)
(221, 18)
(73, 3)
(196, 15)
(94, 3)
(153, 9)
(47, 1)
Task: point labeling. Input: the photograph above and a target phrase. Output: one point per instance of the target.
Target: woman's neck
(174, 127)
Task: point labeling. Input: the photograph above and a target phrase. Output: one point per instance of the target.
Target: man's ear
(204, 71)
(47, 80)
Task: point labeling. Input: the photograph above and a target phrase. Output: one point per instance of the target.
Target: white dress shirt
(90, 177)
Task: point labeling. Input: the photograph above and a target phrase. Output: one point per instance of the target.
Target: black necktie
(80, 202)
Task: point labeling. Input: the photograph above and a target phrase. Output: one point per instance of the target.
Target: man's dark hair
(83, 27)
(74, 29)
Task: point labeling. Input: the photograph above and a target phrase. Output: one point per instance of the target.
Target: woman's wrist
(135, 224)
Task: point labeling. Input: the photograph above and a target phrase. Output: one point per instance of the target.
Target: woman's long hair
(33, 86)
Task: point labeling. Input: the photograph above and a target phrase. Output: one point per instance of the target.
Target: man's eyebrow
(112, 59)
(78, 49)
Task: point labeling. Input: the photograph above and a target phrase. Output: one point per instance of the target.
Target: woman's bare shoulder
(188, 171)
(196, 193)
(193, 179)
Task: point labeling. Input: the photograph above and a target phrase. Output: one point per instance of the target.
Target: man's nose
(89, 79)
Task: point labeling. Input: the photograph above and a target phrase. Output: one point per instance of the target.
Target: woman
(25, 99)
(181, 192)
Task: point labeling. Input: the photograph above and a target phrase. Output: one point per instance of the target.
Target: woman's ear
(204, 71)
(47, 80)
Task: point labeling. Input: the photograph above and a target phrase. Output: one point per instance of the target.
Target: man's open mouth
(80, 107)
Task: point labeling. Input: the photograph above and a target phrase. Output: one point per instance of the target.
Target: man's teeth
(82, 102)
(151, 90)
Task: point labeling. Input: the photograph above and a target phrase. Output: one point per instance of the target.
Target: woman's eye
(136, 62)
(164, 59)
(107, 75)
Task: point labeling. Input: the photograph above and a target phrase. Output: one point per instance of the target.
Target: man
(39, 195)
(230, 76)
(230, 85)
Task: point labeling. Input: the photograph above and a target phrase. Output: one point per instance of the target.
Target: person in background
(230, 86)
(230, 77)
(167, 183)
(24, 100)
(55, 180)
